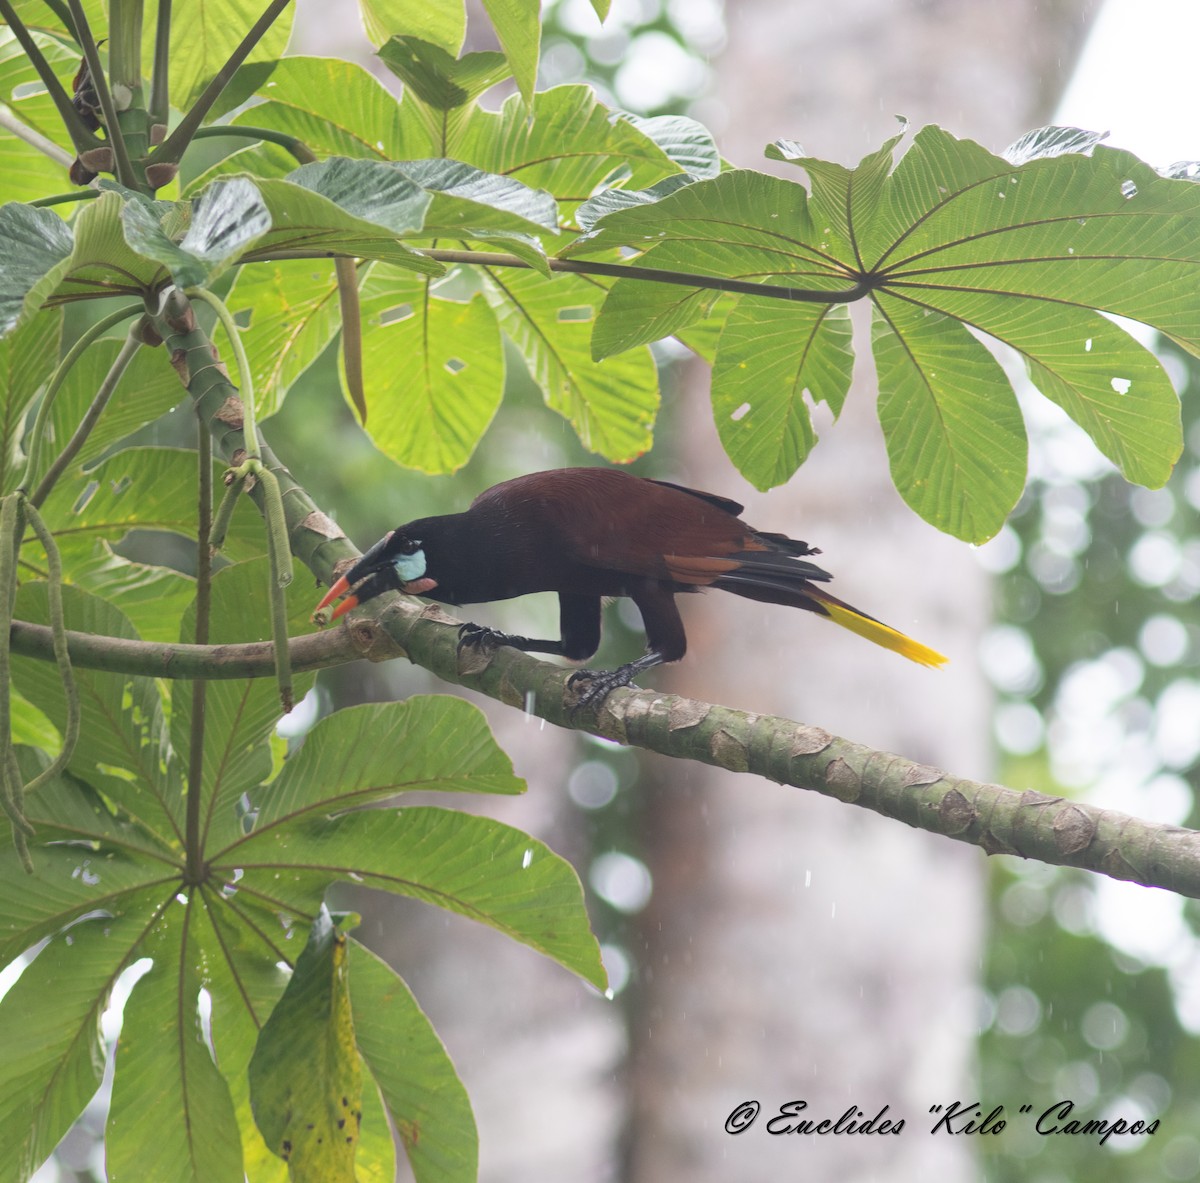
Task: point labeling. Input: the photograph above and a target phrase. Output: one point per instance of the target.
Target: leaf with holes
(434, 371)
(294, 313)
(770, 356)
(136, 489)
(949, 243)
(611, 405)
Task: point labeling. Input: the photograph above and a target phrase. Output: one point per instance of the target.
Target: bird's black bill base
(594, 686)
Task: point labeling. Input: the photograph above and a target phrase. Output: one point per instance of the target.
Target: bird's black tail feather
(774, 578)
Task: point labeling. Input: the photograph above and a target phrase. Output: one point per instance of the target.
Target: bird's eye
(409, 546)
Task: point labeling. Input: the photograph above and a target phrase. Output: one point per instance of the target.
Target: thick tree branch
(150, 659)
(1000, 820)
(995, 818)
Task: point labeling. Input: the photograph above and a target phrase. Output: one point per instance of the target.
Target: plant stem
(280, 561)
(58, 630)
(654, 275)
(716, 283)
(195, 871)
(34, 139)
(60, 10)
(351, 314)
(11, 789)
(245, 375)
(122, 165)
(125, 44)
(174, 146)
(63, 198)
(37, 432)
(298, 148)
(154, 659)
(160, 83)
(81, 137)
(90, 418)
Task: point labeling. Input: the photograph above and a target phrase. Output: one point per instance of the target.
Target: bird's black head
(397, 562)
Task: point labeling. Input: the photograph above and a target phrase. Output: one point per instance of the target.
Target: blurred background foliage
(1090, 989)
(1091, 985)
(1093, 658)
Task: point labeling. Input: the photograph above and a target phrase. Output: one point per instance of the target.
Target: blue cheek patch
(410, 567)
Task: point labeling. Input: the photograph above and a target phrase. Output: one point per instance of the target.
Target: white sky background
(1137, 79)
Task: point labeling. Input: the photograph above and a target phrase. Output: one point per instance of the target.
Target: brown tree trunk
(797, 949)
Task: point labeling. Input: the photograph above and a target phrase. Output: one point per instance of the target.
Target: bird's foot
(477, 646)
(478, 636)
(592, 687)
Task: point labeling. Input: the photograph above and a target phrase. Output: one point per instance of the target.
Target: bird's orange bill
(339, 589)
(415, 587)
(344, 607)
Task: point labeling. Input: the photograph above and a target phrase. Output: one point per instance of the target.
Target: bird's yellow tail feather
(881, 634)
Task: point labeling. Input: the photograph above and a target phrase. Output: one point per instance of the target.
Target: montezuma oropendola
(588, 533)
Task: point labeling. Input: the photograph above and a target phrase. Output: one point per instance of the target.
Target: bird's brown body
(592, 533)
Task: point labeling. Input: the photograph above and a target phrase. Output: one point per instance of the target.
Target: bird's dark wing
(723, 503)
(612, 520)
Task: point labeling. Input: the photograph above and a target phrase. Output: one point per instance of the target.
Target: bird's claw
(592, 687)
(478, 636)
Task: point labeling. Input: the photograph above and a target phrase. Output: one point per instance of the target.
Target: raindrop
(1163, 640)
(621, 880)
(593, 784)
(618, 968)
(1104, 1026)
(1018, 1010)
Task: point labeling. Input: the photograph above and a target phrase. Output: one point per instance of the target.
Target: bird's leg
(481, 637)
(594, 686)
(579, 628)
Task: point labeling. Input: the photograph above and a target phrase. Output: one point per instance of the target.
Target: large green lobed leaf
(950, 238)
(171, 1116)
(612, 404)
(434, 371)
